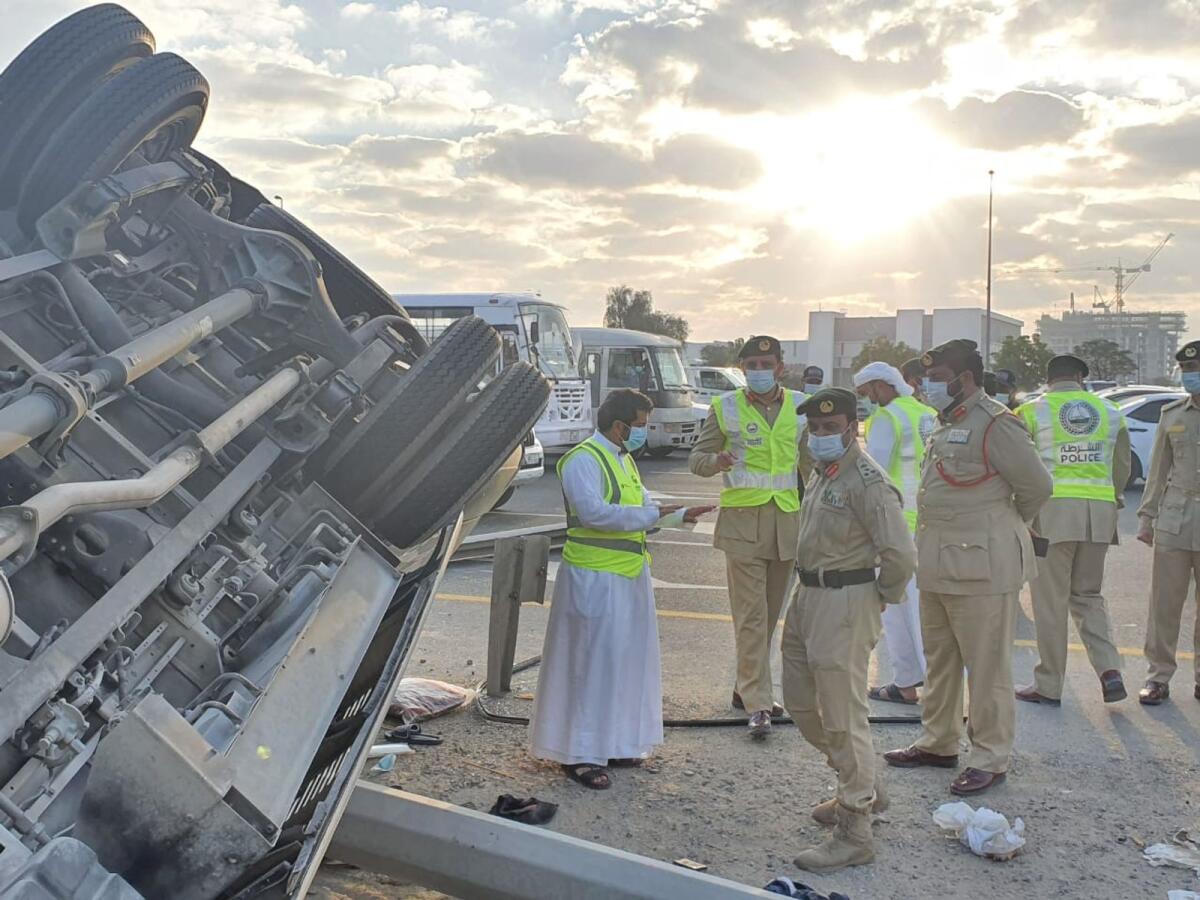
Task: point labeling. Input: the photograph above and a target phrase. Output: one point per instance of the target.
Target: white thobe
(901, 621)
(599, 693)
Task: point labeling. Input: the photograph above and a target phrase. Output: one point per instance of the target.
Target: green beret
(1189, 352)
(957, 354)
(830, 401)
(761, 345)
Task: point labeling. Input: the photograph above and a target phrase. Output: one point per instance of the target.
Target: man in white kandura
(599, 694)
(895, 437)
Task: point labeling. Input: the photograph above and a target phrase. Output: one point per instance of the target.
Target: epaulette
(994, 408)
(870, 471)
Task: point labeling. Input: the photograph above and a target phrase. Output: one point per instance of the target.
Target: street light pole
(280, 199)
(987, 325)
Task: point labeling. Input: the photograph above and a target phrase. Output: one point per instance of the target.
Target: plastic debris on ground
(1182, 895)
(530, 811)
(418, 699)
(386, 764)
(788, 888)
(379, 750)
(984, 830)
(1183, 851)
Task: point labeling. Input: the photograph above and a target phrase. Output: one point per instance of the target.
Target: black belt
(833, 578)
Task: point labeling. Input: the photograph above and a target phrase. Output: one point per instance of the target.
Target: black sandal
(628, 762)
(590, 776)
(889, 693)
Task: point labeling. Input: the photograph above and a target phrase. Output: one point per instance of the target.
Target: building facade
(1152, 338)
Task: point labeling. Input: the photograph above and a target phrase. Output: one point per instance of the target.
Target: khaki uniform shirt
(1171, 500)
(1075, 519)
(972, 537)
(759, 532)
(852, 518)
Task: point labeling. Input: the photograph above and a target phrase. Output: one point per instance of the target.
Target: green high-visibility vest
(620, 552)
(1076, 434)
(765, 455)
(911, 422)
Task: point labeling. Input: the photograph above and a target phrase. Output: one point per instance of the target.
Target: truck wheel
(659, 452)
(505, 497)
(154, 106)
(471, 448)
(51, 77)
(397, 431)
(350, 288)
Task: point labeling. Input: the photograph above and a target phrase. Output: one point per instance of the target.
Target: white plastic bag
(1183, 851)
(983, 830)
(418, 699)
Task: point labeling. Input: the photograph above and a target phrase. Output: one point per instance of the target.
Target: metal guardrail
(483, 546)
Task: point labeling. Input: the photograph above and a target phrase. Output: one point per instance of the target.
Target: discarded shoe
(531, 811)
(785, 887)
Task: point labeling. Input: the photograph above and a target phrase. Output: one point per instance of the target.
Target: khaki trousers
(828, 637)
(757, 589)
(1169, 582)
(1069, 580)
(976, 632)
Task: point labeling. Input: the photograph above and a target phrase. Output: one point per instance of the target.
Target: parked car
(1142, 415)
(713, 381)
(1119, 395)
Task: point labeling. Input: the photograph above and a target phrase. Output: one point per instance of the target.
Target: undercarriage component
(222, 511)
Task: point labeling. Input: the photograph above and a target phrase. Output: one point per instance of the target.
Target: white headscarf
(881, 371)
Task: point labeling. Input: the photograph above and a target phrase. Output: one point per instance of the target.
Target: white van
(713, 381)
(531, 329)
(611, 358)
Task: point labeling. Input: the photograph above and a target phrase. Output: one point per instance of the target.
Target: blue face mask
(826, 447)
(1002, 398)
(1191, 382)
(938, 394)
(636, 439)
(761, 381)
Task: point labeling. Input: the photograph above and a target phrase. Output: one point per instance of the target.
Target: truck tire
(155, 105)
(51, 77)
(350, 288)
(471, 448)
(395, 432)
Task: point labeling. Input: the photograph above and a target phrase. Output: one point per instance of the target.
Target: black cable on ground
(667, 723)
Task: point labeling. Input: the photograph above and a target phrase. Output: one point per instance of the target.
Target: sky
(745, 160)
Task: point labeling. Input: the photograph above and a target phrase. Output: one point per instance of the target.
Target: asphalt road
(1091, 780)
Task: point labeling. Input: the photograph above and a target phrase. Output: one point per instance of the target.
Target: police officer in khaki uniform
(982, 483)
(851, 524)
(1170, 523)
(751, 440)
(1084, 444)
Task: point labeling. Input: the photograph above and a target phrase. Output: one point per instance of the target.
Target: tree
(626, 308)
(1106, 360)
(721, 353)
(880, 349)
(1026, 358)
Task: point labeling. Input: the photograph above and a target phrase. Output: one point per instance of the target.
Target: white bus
(531, 329)
(618, 358)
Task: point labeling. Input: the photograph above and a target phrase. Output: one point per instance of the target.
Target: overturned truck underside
(231, 472)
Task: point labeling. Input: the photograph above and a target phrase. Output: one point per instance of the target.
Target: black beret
(989, 383)
(958, 354)
(830, 401)
(813, 370)
(1067, 364)
(1006, 378)
(1189, 352)
(760, 345)
(913, 368)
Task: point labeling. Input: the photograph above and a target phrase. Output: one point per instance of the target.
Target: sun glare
(859, 169)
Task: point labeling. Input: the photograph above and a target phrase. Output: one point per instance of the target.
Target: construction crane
(1120, 272)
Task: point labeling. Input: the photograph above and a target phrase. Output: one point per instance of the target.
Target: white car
(1127, 392)
(712, 381)
(1141, 416)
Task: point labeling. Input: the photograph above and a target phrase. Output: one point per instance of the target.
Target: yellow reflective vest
(765, 455)
(621, 552)
(911, 422)
(1076, 435)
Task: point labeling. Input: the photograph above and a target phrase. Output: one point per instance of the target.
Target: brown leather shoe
(1113, 686)
(975, 781)
(776, 709)
(1154, 693)
(1030, 695)
(915, 757)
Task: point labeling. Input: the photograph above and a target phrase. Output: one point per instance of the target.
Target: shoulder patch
(869, 470)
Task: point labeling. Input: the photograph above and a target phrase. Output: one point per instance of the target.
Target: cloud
(398, 152)
(1167, 149)
(563, 160)
(1015, 119)
(702, 160)
(454, 25)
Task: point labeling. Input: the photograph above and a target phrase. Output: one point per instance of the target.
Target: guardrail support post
(518, 576)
